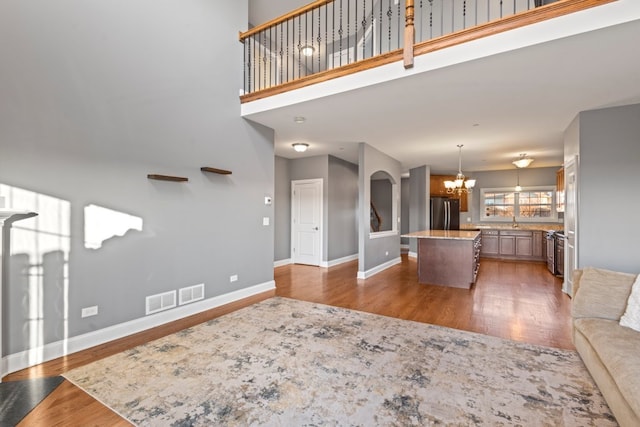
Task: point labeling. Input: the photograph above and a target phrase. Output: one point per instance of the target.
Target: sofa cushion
(602, 293)
(631, 316)
(617, 348)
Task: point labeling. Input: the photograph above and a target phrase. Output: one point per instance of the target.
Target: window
(534, 204)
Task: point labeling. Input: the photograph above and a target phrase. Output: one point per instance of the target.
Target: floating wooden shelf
(167, 178)
(215, 170)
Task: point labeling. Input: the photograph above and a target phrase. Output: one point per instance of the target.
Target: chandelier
(459, 185)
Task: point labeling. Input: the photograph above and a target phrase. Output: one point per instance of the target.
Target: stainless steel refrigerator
(445, 214)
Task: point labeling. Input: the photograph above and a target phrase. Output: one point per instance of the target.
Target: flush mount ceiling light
(523, 161)
(307, 50)
(460, 185)
(300, 147)
(299, 119)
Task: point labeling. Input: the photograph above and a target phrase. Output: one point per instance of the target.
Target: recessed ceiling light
(299, 119)
(300, 147)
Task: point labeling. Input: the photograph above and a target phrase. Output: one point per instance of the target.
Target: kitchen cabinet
(560, 190)
(539, 244)
(490, 243)
(560, 180)
(448, 257)
(437, 189)
(513, 244)
(507, 245)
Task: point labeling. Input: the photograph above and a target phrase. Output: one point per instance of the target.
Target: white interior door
(306, 221)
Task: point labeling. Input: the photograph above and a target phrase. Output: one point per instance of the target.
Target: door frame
(571, 207)
(294, 183)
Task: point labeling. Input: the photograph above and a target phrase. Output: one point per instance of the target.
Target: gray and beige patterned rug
(290, 363)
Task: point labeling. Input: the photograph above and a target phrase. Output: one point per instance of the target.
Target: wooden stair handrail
(521, 19)
(295, 13)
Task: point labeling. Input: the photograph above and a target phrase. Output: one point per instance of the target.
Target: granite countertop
(444, 234)
(509, 226)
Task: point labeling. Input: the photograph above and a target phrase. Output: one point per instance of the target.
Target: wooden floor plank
(518, 301)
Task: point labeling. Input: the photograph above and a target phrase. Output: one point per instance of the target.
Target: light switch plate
(265, 220)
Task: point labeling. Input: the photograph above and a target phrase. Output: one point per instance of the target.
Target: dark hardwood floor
(513, 300)
(518, 301)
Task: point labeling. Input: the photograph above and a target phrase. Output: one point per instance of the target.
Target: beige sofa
(611, 352)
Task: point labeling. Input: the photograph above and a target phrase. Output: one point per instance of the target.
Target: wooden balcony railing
(331, 38)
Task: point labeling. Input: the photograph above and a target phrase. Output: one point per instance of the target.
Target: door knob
(315, 228)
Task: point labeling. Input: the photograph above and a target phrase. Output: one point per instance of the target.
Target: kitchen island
(448, 257)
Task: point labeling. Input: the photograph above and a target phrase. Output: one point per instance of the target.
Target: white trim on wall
(377, 269)
(27, 358)
(282, 262)
(338, 261)
(379, 234)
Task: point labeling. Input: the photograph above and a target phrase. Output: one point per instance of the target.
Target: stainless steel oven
(551, 251)
(559, 261)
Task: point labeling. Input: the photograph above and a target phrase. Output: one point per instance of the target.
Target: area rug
(284, 362)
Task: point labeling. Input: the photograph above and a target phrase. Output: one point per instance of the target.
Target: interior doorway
(306, 221)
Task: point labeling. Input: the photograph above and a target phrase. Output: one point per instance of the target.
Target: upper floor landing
(331, 46)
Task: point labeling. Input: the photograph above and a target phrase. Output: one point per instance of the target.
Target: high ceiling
(498, 106)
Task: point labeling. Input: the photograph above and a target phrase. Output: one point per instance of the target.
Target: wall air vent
(191, 294)
(160, 302)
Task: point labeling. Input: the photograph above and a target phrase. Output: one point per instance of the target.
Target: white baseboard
(282, 262)
(413, 254)
(27, 358)
(377, 269)
(338, 261)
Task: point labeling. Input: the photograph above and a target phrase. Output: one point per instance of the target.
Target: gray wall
(95, 96)
(609, 150)
(340, 199)
(343, 209)
(404, 209)
(375, 252)
(419, 190)
(282, 210)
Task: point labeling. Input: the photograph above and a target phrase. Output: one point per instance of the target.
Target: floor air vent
(160, 302)
(191, 294)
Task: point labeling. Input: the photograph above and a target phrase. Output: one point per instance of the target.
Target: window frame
(516, 205)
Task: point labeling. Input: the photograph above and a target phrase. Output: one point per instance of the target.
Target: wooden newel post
(409, 35)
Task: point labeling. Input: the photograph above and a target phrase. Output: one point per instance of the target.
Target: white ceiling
(499, 106)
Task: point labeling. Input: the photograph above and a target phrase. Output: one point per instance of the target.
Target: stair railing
(331, 38)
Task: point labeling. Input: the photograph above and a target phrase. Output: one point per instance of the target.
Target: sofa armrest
(601, 293)
(577, 274)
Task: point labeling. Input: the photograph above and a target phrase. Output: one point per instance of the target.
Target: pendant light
(460, 185)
